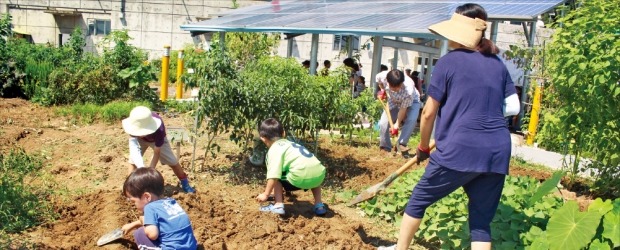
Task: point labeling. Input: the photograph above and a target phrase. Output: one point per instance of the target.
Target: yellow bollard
(534, 116)
(179, 92)
(165, 67)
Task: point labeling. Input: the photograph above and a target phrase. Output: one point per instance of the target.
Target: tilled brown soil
(89, 161)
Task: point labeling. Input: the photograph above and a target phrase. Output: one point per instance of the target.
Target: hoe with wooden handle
(386, 108)
(377, 188)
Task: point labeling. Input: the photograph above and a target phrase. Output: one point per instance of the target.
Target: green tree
(244, 47)
(583, 97)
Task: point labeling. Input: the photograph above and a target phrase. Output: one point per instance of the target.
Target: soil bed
(89, 161)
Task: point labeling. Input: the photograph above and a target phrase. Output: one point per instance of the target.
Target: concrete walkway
(540, 156)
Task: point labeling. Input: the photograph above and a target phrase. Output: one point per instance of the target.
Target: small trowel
(110, 236)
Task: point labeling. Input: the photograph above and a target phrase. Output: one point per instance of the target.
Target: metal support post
(349, 46)
(165, 67)
(429, 71)
(222, 40)
(395, 57)
(314, 51)
(289, 47)
(534, 115)
(526, 32)
(423, 64)
(443, 50)
(494, 26)
(377, 50)
(179, 90)
(526, 74)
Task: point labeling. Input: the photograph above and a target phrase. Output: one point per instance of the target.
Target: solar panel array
(376, 17)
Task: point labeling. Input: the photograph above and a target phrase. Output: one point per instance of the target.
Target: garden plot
(88, 163)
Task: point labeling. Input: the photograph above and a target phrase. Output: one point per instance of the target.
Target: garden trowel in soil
(377, 188)
(110, 236)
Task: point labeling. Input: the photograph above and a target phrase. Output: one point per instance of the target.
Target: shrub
(583, 97)
(67, 75)
(10, 75)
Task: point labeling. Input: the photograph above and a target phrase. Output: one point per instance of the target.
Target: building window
(99, 27)
(340, 42)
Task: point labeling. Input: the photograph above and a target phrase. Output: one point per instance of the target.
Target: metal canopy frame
(376, 18)
(399, 18)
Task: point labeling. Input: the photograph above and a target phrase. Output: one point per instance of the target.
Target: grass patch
(180, 106)
(110, 112)
(22, 204)
(518, 161)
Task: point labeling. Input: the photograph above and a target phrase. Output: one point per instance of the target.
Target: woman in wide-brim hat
(469, 95)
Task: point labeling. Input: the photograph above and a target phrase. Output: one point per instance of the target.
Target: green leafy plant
(139, 77)
(236, 97)
(214, 75)
(21, 205)
(67, 75)
(523, 213)
(244, 47)
(10, 75)
(569, 228)
(581, 115)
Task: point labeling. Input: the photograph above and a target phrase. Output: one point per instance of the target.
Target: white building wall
(150, 23)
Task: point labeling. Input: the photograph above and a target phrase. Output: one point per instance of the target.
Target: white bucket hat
(461, 29)
(141, 122)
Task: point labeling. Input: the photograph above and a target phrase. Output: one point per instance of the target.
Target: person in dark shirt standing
(469, 95)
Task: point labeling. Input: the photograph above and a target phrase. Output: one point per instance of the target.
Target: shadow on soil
(340, 167)
(304, 209)
(375, 241)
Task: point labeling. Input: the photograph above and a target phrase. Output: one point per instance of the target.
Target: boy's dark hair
(326, 62)
(415, 73)
(144, 180)
(270, 129)
(349, 62)
(306, 62)
(362, 79)
(383, 67)
(395, 78)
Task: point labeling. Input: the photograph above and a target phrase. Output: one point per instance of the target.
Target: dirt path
(89, 161)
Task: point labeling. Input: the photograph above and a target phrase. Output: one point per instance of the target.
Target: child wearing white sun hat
(146, 130)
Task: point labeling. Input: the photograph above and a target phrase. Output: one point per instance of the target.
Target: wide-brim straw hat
(141, 122)
(461, 29)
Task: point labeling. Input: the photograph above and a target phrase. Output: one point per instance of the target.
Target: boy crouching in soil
(291, 167)
(164, 225)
